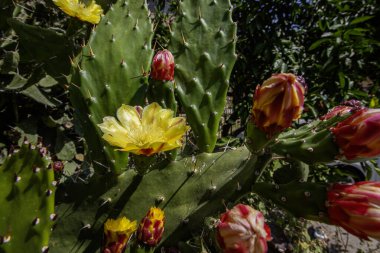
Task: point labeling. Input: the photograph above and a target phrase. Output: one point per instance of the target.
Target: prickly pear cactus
(110, 71)
(27, 189)
(203, 44)
(291, 195)
(197, 186)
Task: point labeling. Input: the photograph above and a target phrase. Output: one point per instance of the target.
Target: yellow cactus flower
(89, 13)
(144, 131)
(117, 234)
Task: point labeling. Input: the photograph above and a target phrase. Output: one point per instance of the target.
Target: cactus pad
(27, 202)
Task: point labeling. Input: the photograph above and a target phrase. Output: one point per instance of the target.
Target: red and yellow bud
(117, 234)
(151, 227)
(358, 136)
(243, 230)
(277, 102)
(163, 66)
(356, 208)
(340, 110)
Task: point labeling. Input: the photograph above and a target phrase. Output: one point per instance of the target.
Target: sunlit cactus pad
(27, 201)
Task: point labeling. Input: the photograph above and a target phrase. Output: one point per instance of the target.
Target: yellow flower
(117, 233)
(144, 131)
(90, 13)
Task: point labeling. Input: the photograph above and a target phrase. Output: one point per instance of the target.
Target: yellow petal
(129, 117)
(89, 13)
(149, 114)
(177, 128)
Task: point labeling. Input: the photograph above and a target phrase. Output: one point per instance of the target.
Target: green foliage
(332, 44)
(27, 201)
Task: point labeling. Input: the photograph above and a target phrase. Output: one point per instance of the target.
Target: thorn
(36, 170)
(53, 216)
(87, 226)
(80, 69)
(136, 25)
(89, 93)
(17, 178)
(48, 192)
(45, 249)
(199, 13)
(36, 221)
(105, 202)
(5, 239)
(91, 52)
(183, 39)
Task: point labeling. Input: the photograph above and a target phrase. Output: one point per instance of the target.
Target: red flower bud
(243, 230)
(345, 107)
(278, 101)
(163, 66)
(358, 136)
(58, 166)
(356, 208)
(151, 227)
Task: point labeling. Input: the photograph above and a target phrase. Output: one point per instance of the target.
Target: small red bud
(58, 166)
(163, 66)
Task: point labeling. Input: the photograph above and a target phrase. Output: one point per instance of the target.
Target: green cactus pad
(27, 190)
(110, 71)
(188, 190)
(312, 143)
(302, 199)
(203, 44)
(163, 93)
